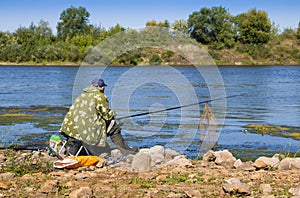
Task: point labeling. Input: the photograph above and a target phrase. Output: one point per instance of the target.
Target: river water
(272, 96)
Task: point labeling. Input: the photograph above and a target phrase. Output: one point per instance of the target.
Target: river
(272, 96)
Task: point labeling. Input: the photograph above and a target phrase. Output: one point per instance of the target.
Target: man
(90, 120)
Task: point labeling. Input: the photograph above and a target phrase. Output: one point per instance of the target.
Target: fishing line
(177, 107)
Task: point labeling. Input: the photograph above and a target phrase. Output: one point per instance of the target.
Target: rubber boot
(119, 141)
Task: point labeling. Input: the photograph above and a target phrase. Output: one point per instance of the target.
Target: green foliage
(245, 35)
(176, 178)
(164, 24)
(27, 164)
(155, 59)
(288, 33)
(130, 58)
(114, 30)
(181, 26)
(298, 31)
(255, 50)
(254, 26)
(73, 21)
(283, 52)
(211, 25)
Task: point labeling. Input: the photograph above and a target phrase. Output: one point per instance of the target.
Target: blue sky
(135, 13)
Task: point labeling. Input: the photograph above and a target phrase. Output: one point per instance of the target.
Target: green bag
(55, 144)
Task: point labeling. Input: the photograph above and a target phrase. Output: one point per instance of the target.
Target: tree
(288, 33)
(253, 27)
(43, 30)
(164, 24)
(211, 25)
(98, 34)
(73, 21)
(181, 26)
(113, 30)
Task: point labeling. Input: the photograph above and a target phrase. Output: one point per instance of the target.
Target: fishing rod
(178, 107)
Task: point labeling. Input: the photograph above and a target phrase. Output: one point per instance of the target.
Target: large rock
(169, 153)
(141, 162)
(157, 155)
(224, 158)
(289, 163)
(235, 185)
(209, 156)
(149, 159)
(265, 162)
(246, 166)
(179, 161)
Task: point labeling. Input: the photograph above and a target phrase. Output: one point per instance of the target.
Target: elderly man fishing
(90, 121)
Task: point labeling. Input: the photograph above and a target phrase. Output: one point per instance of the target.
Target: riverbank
(79, 64)
(39, 64)
(218, 174)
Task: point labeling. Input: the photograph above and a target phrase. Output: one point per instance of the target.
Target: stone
(160, 178)
(264, 162)
(179, 161)
(2, 158)
(157, 155)
(238, 163)
(56, 173)
(193, 193)
(265, 189)
(71, 183)
(141, 161)
(258, 175)
(224, 158)
(289, 164)
(175, 195)
(235, 185)
(144, 150)
(29, 189)
(209, 156)
(295, 191)
(49, 186)
(8, 175)
(246, 166)
(81, 176)
(83, 192)
(171, 153)
(116, 153)
(129, 158)
(101, 163)
(157, 149)
(27, 176)
(3, 186)
(157, 159)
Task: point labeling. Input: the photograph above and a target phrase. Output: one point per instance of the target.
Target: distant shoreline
(79, 64)
(38, 64)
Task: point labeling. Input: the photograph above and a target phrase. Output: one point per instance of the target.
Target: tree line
(249, 35)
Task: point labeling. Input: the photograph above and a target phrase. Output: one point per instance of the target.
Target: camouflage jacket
(85, 120)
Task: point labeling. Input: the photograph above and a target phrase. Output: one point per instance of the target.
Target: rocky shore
(153, 172)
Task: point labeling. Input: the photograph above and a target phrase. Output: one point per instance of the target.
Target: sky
(135, 13)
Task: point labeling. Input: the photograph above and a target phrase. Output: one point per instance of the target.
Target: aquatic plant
(282, 131)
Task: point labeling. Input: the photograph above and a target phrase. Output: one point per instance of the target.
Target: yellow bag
(77, 161)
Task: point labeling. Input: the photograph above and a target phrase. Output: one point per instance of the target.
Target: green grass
(26, 164)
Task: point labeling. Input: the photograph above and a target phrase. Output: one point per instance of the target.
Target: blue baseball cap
(98, 82)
